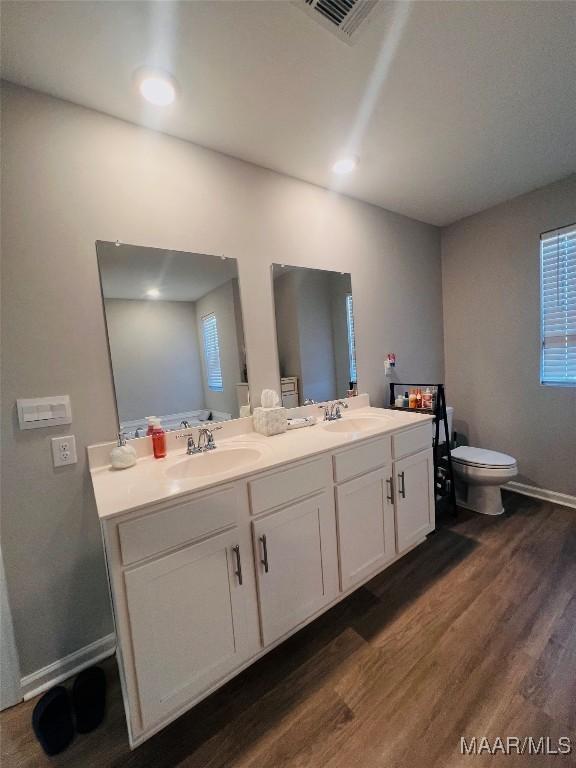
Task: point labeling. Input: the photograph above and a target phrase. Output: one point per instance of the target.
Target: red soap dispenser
(158, 440)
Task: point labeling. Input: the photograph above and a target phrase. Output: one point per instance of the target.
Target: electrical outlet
(64, 450)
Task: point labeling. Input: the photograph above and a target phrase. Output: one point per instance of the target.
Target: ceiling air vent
(342, 17)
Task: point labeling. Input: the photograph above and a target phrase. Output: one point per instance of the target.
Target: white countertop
(147, 483)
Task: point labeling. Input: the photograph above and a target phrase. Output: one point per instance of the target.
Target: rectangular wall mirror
(175, 335)
(315, 333)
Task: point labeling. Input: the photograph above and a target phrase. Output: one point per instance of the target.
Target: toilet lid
(480, 457)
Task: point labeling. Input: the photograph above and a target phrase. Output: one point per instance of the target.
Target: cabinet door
(296, 564)
(414, 497)
(365, 517)
(187, 617)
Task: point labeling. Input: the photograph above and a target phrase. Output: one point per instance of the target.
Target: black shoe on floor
(52, 721)
(89, 699)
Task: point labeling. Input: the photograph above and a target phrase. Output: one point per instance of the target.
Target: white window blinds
(558, 302)
(212, 353)
(351, 338)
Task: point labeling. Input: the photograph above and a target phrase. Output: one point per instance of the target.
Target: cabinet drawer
(363, 458)
(289, 387)
(179, 524)
(412, 440)
(288, 485)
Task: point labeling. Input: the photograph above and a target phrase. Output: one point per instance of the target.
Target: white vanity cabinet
(365, 514)
(296, 568)
(414, 498)
(382, 513)
(208, 581)
(187, 615)
(413, 479)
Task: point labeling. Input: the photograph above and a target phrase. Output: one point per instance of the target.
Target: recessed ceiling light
(153, 293)
(345, 165)
(157, 89)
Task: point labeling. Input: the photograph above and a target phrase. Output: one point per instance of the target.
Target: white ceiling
(128, 271)
(451, 106)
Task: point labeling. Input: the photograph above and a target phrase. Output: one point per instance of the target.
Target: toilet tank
(450, 417)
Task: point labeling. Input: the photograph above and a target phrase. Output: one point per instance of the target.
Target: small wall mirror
(315, 333)
(175, 335)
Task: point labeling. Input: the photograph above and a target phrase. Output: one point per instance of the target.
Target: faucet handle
(206, 430)
(326, 408)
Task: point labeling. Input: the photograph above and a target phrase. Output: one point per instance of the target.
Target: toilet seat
(467, 455)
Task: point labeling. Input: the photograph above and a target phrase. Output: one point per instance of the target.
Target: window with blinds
(212, 353)
(351, 338)
(558, 303)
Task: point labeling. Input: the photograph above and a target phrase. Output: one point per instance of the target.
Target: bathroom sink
(213, 462)
(355, 424)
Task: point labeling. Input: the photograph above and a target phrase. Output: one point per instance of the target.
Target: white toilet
(482, 472)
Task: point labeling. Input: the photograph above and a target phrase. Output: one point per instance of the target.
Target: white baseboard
(564, 499)
(60, 670)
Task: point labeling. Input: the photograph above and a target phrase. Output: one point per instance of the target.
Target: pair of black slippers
(58, 714)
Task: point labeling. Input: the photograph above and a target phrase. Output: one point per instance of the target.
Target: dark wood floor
(472, 634)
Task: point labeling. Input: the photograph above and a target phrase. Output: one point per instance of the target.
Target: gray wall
(491, 290)
(221, 302)
(155, 356)
(72, 176)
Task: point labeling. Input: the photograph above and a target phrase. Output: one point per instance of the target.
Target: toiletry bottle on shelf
(412, 399)
(427, 398)
(399, 402)
(158, 440)
(406, 400)
(418, 398)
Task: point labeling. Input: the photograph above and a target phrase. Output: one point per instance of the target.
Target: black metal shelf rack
(443, 470)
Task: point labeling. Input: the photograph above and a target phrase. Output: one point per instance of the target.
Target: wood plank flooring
(471, 634)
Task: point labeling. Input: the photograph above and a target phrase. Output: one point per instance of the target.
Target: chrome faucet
(206, 438)
(332, 411)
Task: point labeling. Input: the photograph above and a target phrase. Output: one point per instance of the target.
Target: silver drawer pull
(238, 570)
(265, 552)
(402, 489)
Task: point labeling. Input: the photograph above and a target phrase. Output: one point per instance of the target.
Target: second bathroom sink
(353, 424)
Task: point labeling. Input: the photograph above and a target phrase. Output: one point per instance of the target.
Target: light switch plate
(44, 411)
(64, 450)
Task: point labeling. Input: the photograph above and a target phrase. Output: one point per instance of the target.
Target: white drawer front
(180, 524)
(363, 458)
(287, 485)
(412, 441)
